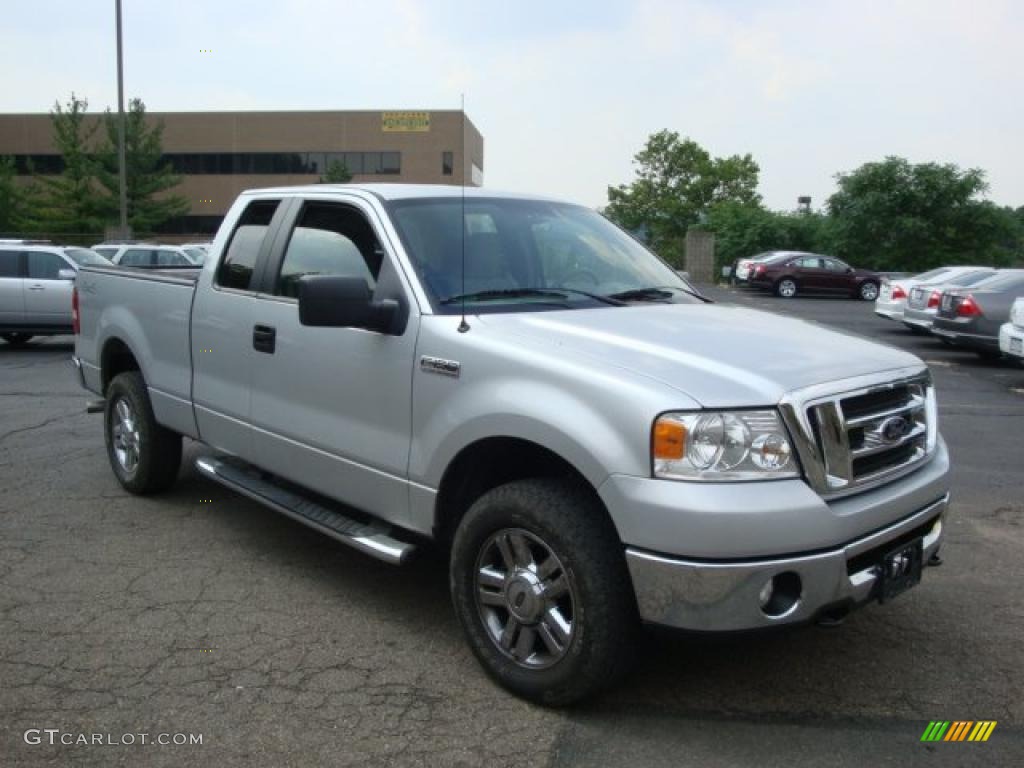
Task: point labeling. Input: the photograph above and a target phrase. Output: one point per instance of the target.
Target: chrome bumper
(724, 596)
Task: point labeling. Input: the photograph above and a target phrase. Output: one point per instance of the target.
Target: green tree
(69, 203)
(149, 178)
(337, 173)
(677, 182)
(17, 201)
(899, 216)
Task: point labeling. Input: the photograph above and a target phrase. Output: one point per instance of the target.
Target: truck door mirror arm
(345, 302)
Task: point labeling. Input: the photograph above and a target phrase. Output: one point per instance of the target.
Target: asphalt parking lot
(200, 612)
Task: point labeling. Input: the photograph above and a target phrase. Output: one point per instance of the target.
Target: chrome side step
(373, 538)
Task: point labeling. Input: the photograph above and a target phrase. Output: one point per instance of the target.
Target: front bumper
(1008, 334)
(725, 596)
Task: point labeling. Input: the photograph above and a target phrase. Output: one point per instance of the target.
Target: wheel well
(116, 358)
(488, 463)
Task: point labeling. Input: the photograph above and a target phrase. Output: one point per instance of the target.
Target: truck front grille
(860, 438)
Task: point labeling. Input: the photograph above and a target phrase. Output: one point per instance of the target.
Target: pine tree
(69, 203)
(148, 177)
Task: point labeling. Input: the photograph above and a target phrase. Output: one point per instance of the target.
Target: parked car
(892, 297)
(149, 256)
(35, 288)
(394, 363)
(742, 267)
(971, 317)
(923, 302)
(1011, 334)
(788, 275)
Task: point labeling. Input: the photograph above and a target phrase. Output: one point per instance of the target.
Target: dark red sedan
(793, 274)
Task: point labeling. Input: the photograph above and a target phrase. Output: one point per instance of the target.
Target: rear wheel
(786, 288)
(869, 291)
(16, 339)
(540, 585)
(145, 456)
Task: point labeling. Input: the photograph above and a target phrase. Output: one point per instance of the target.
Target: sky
(565, 92)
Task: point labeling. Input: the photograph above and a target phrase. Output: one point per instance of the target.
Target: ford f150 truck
(517, 379)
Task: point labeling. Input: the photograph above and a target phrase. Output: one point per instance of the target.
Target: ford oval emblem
(893, 429)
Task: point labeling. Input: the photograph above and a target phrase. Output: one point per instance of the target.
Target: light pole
(121, 172)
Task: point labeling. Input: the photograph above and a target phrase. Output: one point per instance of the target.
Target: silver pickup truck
(524, 384)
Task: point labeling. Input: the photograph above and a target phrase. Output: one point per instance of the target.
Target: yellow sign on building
(405, 122)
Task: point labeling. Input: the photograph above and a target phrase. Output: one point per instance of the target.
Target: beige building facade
(219, 154)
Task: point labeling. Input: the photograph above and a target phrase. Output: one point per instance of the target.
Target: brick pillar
(700, 256)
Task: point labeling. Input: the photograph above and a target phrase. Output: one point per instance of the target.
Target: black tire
(868, 291)
(16, 339)
(786, 288)
(570, 522)
(157, 450)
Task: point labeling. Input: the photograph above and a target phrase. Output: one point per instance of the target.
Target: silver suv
(35, 288)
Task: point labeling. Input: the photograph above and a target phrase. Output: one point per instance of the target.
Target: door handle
(264, 338)
(37, 287)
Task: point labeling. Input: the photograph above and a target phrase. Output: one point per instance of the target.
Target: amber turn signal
(669, 440)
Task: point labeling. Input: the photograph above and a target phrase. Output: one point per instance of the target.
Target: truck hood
(719, 355)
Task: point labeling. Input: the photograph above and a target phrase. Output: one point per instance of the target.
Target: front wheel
(869, 291)
(145, 456)
(540, 585)
(786, 288)
(16, 339)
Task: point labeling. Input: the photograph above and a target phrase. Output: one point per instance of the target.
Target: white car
(146, 255)
(1011, 334)
(35, 288)
(892, 297)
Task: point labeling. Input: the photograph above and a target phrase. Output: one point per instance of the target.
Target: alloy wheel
(124, 431)
(525, 598)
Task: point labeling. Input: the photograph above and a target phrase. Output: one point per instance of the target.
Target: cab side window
(329, 239)
(237, 268)
(45, 266)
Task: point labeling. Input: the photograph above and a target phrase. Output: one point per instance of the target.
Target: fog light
(781, 595)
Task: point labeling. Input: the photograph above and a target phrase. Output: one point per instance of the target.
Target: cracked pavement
(284, 648)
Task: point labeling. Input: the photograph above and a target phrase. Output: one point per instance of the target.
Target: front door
(332, 407)
(47, 296)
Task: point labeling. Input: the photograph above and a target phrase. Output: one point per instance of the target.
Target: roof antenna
(463, 326)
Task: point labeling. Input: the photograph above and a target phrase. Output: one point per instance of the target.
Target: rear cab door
(222, 324)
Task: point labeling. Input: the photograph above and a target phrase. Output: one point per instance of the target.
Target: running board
(373, 538)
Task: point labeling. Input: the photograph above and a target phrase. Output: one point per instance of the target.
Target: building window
(447, 163)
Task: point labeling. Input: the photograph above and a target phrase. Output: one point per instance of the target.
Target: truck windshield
(528, 255)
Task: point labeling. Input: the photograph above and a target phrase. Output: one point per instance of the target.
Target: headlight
(722, 445)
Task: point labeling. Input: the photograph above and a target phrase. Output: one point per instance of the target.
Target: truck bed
(150, 310)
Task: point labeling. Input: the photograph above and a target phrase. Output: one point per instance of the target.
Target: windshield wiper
(520, 293)
(507, 293)
(655, 293)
